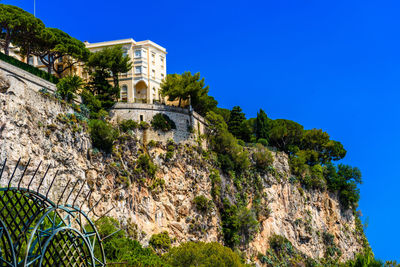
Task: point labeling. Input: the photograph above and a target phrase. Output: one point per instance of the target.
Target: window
(60, 59)
(162, 76)
(124, 93)
(30, 60)
(162, 59)
(138, 53)
(141, 117)
(59, 68)
(153, 74)
(138, 69)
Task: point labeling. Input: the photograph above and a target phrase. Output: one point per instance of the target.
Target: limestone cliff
(34, 125)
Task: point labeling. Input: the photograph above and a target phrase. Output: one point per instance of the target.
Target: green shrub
(33, 70)
(145, 164)
(241, 142)
(127, 125)
(144, 125)
(170, 151)
(238, 224)
(152, 143)
(102, 134)
(215, 184)
(160, 242)
(280, 245)
(202, 254)
(68, 86)
(231, 155)
(225, 162)
(119, 248)
(263, 141)
(202, 204)
(162, 122)
(262, 157)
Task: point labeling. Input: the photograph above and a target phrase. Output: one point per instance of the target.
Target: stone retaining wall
(184, 119)
(28, 79)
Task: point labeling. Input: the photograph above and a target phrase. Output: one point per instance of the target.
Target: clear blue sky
(333, 65)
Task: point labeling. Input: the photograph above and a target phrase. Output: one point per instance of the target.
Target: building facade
(141, 84)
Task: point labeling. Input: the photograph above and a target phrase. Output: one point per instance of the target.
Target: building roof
(125, 41)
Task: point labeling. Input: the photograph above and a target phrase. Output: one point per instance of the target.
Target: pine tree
(236, 122)
(262, 125)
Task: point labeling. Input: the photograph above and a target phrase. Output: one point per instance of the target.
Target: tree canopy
(17, 26)
(185, 86)
(99, 95)
(237, 124)
(262, 126)
(53, 44)
(110, 59)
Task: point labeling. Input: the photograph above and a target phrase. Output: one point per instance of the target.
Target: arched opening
(141, 92)
(124, 93)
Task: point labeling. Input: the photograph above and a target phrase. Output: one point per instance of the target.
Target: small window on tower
(141, 117)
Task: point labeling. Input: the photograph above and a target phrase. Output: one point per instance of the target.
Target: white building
(142, 83)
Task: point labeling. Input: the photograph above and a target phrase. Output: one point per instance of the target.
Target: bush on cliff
(68, 86)
(102, 134)
(119, 248)
(202, 254)
(162, 122)
(128, 125)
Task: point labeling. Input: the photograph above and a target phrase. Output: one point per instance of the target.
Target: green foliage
(203, 204)
(237, 124)
(216, 184)
(262, 126)
(231, 155)
(185, 86)
(262, 157)
(280, 244)
(145, 164)
(29, 68)
(99, 95)
(68, 86)
(230, 224)
(365, 259)
(162, 122)
(319, 141)
(285, 135)
(170, 150)
(128, 125)
(18, 27)
(144, 125)
(111, 60)
(344, 180)
(248, 225)
(52, 44)
(202, 254)
(119, 248)
(102, 134)
(224, 112)
(160, 242)
(238, 224)
(263, 141)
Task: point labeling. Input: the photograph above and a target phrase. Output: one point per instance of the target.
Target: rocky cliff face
(34, 125)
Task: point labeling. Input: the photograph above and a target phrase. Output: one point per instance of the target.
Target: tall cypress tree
(235, 122)
(262, 125)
